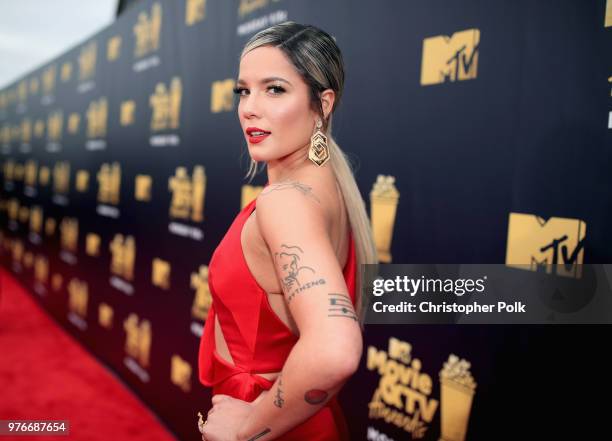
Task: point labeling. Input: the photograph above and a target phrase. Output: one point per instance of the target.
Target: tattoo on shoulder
(259, 435)
(315, 396)
(340, 305)
(306, 190)
(296, 278)
(278, 398)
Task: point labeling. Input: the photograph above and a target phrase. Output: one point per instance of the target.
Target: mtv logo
(453, 58)
(535, 243)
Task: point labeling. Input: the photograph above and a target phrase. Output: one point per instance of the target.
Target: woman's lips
(257, 139)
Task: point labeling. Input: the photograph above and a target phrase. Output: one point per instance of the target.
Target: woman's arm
(295, 227)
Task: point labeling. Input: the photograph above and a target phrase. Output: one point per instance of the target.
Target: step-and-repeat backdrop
(480, 133)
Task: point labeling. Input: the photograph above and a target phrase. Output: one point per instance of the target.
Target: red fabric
(257, 339)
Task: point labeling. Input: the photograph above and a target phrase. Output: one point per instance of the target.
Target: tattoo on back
(340, 305)
(306, 190)
(259, 435)
(294, 275)
(315, 396)
(278, 398)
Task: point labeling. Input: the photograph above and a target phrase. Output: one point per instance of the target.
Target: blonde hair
(318, 60)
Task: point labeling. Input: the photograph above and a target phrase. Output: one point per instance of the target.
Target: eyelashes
(241, 91)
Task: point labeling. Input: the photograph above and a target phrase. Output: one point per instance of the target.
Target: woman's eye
(277, 90)
(240, 91)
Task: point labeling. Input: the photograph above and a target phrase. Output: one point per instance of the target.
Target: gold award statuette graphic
(222, 96)
(166, 105)
(608, 22)
(556, 244)
(77, 291)
(180, 373)
(195, 11)
(453, 58)
(188, 194)
(457, 388)
(203, 299)
(147, 30)
(138, 339)
(123, 256)
(384, 199)
(87, 61)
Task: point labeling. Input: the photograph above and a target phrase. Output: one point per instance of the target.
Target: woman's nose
(249, 107)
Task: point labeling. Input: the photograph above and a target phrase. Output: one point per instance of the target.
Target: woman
(283, 334)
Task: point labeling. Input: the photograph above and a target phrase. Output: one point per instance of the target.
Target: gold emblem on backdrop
(24, 214)
(453, 58)
(202, 300)
(160, 274)
(109, 183)
(26, 131)
(555, 245)
(82, 181)
(92, 244)
(248, 193)
(54, 126)
(13, 209)
(44, 175)
(69, 231)
(17, 251)
(87, 61)
(222, 96)
(384, 199)
(142, 187)
(41, 269)
(39, 128)
(78, 296)
(73, 123)
(126, 113)
(180, 373)
(66, 71)
(61, 177)
(15, 133)
(36, 219)
(22, 91)
(56, 282)
(28, 259)
(457, 388)
(34, 86)
(123, 256)
(608, 21)
(48, 80)
(18, 172)
(50, 225)
(113, 48)
(147, 30)
(166, 105)
(138, 339)
(8, 167)
(195, 11)
(105, 315)
(188, 194)
(97, 115)
(31, 173)
(5, 134)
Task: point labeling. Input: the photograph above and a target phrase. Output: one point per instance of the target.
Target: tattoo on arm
(259, 435)
(294, 275)
(278, 398)
(315, 396)
(340, 305)
(306, 190)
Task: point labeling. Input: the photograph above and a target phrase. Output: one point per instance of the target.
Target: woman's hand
(225, 418)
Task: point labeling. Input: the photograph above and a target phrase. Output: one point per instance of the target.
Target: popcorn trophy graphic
(384, 198)
(456, 394)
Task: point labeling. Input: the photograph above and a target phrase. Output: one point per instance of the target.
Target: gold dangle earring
(319, 150)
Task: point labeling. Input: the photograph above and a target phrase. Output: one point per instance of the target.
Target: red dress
(257, 339)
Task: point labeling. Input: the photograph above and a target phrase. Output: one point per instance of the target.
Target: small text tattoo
(278, 398)
(259, 435)
(306, 190)
(340, 306)
(315, 396)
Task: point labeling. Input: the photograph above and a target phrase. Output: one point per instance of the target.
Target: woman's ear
(328, 97)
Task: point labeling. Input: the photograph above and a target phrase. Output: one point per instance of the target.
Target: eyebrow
(265, 80)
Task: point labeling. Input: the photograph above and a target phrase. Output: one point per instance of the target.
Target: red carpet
(46, 374)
